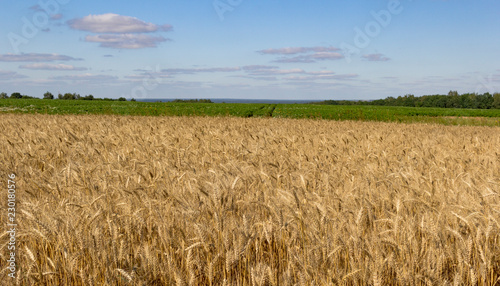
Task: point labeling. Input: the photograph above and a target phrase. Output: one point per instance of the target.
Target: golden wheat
(108, 200)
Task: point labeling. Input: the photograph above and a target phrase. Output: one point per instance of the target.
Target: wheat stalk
(251, 201)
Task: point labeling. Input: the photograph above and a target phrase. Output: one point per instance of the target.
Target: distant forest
(66, 96)
(75, 96)
(451, 100)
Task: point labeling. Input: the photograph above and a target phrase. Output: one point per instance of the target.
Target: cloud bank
(126, 41)
(304, 54)
(9, 75)
(375, 57)
(46, 66)
(119, 32)
(114, 23)
(35, 57)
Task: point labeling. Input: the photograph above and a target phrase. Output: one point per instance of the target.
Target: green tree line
(450, 100)
(66, 96)
(15, 95)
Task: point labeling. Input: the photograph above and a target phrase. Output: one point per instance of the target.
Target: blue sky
(270, 49)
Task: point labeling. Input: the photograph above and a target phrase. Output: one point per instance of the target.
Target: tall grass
(108, 200)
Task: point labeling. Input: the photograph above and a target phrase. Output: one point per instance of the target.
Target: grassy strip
(447, 116)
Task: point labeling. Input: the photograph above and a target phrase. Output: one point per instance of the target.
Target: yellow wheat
(110, 200)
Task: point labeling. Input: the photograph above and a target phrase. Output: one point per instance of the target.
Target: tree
(390, 101)
(409, 100)
(496, 100)
(122, 99)
(470, 100)
(48, 95)
(3, 95)
(440, 101)
(16, 95)
(453, 99)
(70, 96)
(484, 101)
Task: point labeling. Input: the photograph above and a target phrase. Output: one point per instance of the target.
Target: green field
(448, 116)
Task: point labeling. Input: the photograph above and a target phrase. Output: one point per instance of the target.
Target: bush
(16, 95)
(69, 96)
(193, 100)
(48, 95)
(496, 100)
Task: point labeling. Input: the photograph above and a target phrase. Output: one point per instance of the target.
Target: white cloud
(126, 41)
(45, 66)
(35, 57)
(230, 86)
(147, 75)
(288, 71)
(297, 50)
(306, 54)
(87, 78)
(324, 72)
(327, 56)
(114, 23)
(275, 71)
(375, 57)
(258, 67)
(325, 76)
(9, 75)
(200, 70)
(56, 17)
(119, 32)
(186, 84)
(267, 73)
(260, 78)
(311, 58)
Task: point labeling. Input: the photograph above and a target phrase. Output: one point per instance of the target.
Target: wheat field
(109, 200)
